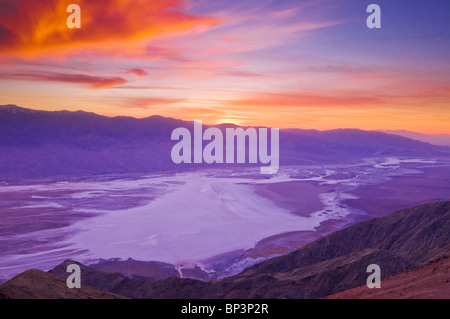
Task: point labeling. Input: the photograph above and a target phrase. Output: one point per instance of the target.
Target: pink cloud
(138, 72)
(94, 82)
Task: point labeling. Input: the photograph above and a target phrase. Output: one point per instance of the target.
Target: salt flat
(201, 216)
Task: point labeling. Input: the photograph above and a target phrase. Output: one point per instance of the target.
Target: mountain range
(45, 144)
(435, 139)
(408, 242)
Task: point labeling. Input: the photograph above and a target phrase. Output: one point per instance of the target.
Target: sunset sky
(300, 63)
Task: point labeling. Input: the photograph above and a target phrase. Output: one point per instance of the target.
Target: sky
(311, 64)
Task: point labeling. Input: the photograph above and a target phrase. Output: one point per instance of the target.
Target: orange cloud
(29, 27)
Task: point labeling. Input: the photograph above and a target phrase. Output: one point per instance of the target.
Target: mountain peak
(14, 109)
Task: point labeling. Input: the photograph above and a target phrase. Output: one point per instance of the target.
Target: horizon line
(230, 123)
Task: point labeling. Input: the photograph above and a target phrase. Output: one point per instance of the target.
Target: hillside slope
(430, 281)
(37, 284)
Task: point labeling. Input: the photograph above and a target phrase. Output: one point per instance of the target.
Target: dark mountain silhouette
(42, 144)
(398, 242)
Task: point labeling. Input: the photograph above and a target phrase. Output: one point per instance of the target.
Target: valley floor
(218, 220)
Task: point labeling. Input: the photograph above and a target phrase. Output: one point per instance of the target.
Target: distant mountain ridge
(435, 139)
(41, 144)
